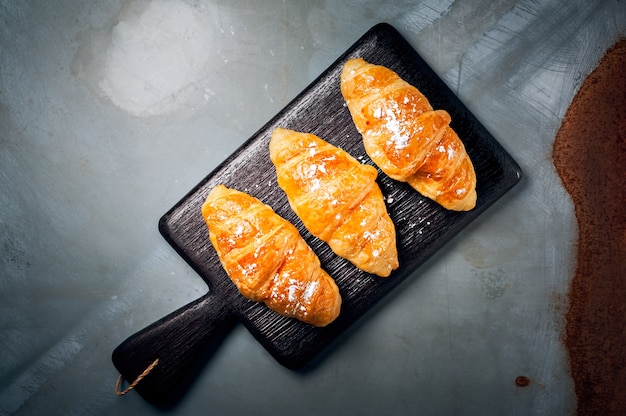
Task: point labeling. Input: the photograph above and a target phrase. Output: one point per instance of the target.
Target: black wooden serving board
(422, 226)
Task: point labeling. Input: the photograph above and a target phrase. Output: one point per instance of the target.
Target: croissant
(267, 259)
(337, 199)
(406, 138)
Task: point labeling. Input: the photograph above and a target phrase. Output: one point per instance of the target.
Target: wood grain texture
(422, 226)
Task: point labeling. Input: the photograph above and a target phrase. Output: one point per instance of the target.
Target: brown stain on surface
(590, 157)
(522, 381)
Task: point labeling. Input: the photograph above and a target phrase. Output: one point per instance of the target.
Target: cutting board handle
(178, 341)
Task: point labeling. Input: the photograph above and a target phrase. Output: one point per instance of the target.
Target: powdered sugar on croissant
(405, 137)
(337, 199)
(267, 259)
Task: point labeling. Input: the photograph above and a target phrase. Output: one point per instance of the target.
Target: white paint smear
(156, 59)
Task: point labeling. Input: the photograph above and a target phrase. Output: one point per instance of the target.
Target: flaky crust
(337, 199)
(406, 138)
(267, 259)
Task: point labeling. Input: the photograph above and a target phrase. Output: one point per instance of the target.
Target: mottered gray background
(110, 112)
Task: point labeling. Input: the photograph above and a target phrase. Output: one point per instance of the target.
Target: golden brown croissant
(337, 199)
(267, 259)
(404, 136)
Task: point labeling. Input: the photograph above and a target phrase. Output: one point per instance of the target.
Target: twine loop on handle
(137, 380)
